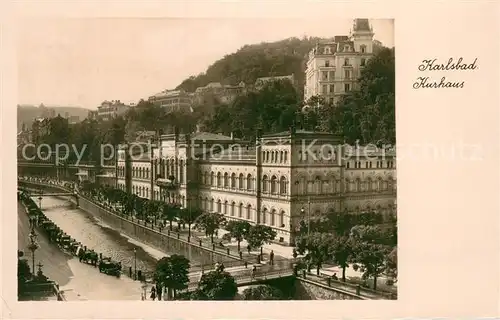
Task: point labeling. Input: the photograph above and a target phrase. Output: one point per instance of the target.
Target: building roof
(361, 25)
(236, 153)
(210, 136)
(264, 79)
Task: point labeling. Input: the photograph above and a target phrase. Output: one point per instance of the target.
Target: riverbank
(54, 261)
(77, 281)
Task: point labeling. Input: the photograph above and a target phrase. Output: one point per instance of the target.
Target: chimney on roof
(232, 136)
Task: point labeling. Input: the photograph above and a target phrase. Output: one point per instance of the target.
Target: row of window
(275, 156)
(325, 87)
(346, 62)
(275, 185)
(317, 156)
(368, 164)
(267, 217)
(330, 75)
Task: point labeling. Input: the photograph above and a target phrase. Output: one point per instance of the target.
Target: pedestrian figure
(334, 276)
(254, 271)
(159, 290)
(248, 249)
(153, 293)
(271, 257)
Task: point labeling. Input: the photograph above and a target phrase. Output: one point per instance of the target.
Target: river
(78, 280)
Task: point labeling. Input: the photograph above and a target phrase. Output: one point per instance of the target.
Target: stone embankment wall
(160, 241)
(309, 290)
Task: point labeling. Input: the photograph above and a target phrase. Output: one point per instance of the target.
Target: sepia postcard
(251, 157)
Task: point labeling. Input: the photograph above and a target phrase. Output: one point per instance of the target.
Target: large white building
(333, 66)
(276, 181)
(109, 110)
(173, 100)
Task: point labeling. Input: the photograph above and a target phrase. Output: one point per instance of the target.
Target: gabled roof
(210, 136)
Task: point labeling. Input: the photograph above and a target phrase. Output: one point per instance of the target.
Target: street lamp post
(33, 246)
(135, 263)
(40, 202)
(302, 211)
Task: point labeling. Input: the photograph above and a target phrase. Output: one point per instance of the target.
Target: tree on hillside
(172, 273)
(263, 292)
(238, 230)
(368, 114)
(216, 285)
(257, 60)
(273, 108)
(210, 222)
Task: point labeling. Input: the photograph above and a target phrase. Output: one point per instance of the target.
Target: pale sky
(81, 62)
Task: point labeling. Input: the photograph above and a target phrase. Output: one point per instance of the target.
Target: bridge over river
(97, 235)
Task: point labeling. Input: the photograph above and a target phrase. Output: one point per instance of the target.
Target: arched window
(205, 178)
(369, 184)
(318, 184)
(219, 180)
(274, 184)
(249, 212)
(233, 180)
(249, 182)
(265, 182)
(206, 204)
(358, 185)
(212, 205)
(240, 210)
(282, 185)
(240, 181)
(265, 212)
(286, 156)
(225, 207)
(281, 156)
(212, 179)
(282, 219)
(226, 180)
(181, 171)
(232, 209)
(273, 217)
(219, 206)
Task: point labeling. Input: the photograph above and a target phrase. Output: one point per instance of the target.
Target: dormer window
(327, 63)
(346, 62)
(327, 50)
(346, 48)
(363, 49)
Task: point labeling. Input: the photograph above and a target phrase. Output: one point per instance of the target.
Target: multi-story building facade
(261, 82)
(109, 110)
(279, 180)
(224, 93)
(333, 66)
(173, 100)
